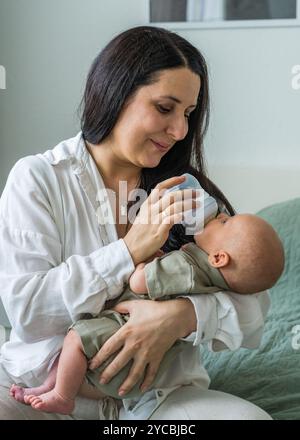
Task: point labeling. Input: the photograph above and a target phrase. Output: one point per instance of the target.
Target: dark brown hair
(134, 59)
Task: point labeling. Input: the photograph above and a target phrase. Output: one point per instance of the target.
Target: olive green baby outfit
(174, 274)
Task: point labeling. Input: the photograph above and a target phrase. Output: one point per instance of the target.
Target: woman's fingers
(150, 331)
(171, 220)
(160, 188)
(136, 373)
(123, 307)
(158, 213)
(112, 345)
(151, 371)
(116, 365)
(178, 207)
(184, 199)
(139, 370)
(172, 181)
(173, 197)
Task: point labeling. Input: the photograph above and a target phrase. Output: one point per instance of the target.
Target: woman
(145, 113)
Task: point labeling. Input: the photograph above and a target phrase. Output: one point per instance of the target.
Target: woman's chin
(153, 161)
(151, 164)
(148, 161)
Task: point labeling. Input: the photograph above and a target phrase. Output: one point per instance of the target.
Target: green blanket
(270, 375)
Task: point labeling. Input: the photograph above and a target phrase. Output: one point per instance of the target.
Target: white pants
(185, 403)
(191, 403)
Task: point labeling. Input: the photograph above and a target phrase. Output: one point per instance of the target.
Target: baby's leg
(137, 281)
(90, 392)
(21, 393)
(70, 375)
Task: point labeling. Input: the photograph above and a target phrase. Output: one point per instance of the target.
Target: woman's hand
(151, 330)
(157, 254)
(157, 215)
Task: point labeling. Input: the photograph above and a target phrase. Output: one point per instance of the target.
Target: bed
(270, 375)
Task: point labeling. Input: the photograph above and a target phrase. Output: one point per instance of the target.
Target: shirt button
(160, 393)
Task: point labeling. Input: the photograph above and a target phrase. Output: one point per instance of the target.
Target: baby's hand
(140, 266)
(137, 281)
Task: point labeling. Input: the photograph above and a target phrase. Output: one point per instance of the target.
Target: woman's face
(155, 118)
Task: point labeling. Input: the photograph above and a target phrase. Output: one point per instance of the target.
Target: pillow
(270, 375)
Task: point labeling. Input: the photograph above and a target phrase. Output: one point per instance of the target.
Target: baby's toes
(30, 398)
(12, 389)
(12, 392)
(37, 402)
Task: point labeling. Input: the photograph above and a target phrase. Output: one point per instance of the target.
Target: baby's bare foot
(21, 393)
(51, 402)
(17, 392)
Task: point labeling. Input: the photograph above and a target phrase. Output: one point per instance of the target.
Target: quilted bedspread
(270, 375)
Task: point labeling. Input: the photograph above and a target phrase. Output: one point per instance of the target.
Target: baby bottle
(195, 219)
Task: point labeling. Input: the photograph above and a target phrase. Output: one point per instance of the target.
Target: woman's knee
(192, 403)
(235, 408)
(249, 411)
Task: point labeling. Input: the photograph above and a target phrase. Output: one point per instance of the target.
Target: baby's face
(225, 229)
(243, 246)
(213, 232)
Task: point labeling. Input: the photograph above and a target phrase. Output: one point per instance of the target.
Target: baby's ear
(219, 259)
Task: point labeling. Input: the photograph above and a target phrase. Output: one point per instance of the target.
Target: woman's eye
(163, 109)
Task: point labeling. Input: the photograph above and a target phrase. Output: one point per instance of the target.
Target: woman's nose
(178, 128)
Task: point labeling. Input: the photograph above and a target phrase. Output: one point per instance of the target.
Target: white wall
(253, 146)
(47, 47)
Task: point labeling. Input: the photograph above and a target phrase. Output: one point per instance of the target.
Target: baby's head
(246, 249)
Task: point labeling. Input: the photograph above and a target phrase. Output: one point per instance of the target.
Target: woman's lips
(160, 147)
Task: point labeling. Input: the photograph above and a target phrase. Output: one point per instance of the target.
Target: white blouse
(57, 263)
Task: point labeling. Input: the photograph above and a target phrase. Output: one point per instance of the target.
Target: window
(225, 13)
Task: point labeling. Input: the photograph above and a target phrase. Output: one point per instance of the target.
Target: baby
(242, 253)
(245, 249)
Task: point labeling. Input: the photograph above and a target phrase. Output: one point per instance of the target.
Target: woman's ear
(219, 259)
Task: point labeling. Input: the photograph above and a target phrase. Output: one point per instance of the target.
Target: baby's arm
(137, 281)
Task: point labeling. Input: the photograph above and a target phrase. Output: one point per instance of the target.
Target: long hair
(134, 59)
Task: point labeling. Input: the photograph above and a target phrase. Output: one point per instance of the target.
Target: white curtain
(205, 10)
